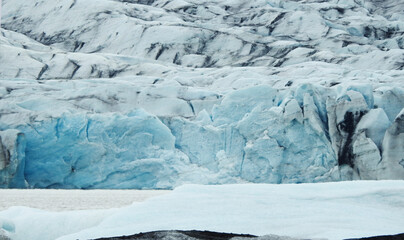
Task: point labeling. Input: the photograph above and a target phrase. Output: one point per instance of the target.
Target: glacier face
(258, 134)
(93, 151)
(155, 94)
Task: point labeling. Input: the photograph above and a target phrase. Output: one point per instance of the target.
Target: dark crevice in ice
(78, 45)
(114, 73)
(43, 70)
(4, 154)
(143, 2)
(76, 68)
(191, 106)
(348, 126)
(289, 83)
(402, 162)
(73, 3)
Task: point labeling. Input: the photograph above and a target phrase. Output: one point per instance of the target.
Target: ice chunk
(367, 157)
(200, 143)
(343, 117)
(391, 100)
(311, 114)
(194, 60)
(293, 111)
(203, 117)
(7, 228)
(260, 166)
(392, 164)
(367, 92)
(353, 102)
(374, 124)
(12, 159)
(238, 103)
(97, 150)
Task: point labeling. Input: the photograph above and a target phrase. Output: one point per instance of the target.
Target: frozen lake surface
(334, 211)
(64, 200)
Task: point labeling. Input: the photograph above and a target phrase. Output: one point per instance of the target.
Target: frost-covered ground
(155, 94)
(323, 210)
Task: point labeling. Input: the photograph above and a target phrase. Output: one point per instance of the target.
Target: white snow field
(322, 210)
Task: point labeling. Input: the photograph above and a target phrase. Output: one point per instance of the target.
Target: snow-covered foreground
(66, 200)
(324, 210)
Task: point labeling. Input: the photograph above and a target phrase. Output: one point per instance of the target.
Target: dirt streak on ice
(64, 200)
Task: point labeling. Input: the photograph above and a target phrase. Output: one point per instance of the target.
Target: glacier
(258, 134)
(156, 94)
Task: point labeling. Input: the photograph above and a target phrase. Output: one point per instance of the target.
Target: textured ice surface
(12, 159)
(305, 211)
(363, 34)
(95, 151)
(155, 94)
(258, 134)
(393, 159)
(84, 42)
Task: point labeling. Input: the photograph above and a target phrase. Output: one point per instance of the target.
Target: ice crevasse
(258, 134)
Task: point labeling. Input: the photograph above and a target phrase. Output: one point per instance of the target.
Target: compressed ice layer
(258, 134)
(101, 151)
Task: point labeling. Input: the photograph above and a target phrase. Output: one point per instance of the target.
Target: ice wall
(392, 164)
(102, 151)
(258, 134)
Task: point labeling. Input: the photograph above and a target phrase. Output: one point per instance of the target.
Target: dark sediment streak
(208, 235)
(183, 235)
(386, 237)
